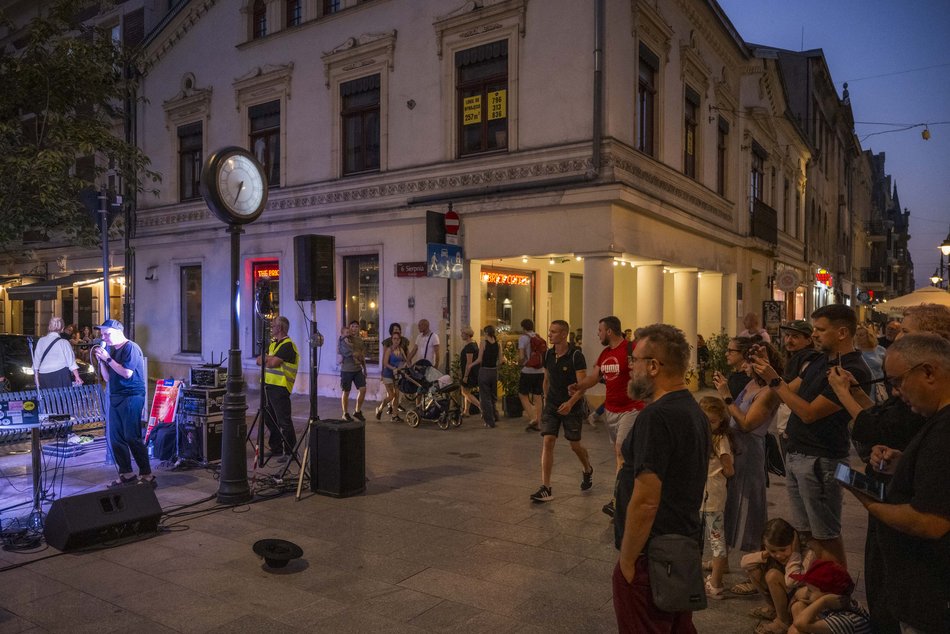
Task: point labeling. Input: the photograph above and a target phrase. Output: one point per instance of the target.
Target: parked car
(16, 364)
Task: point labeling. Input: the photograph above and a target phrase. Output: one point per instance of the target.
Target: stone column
(709, 320)
(649, 294)
(730, 319)
(598, 301)
(685, 287)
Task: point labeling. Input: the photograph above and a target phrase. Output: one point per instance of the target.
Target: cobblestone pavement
(443, 539)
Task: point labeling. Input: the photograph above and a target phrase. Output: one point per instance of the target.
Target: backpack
(538, 347)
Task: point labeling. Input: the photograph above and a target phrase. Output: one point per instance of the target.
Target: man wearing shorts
(620, 411)
(564, 365)
(351, 354)
(817, 430)
(531, 380)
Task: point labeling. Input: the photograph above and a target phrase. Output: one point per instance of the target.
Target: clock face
(234, 186)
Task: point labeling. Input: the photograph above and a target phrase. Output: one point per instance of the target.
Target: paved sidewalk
(444, 539)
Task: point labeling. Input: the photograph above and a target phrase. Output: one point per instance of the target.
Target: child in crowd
(714, 499)
(772, 571)
(824, 604)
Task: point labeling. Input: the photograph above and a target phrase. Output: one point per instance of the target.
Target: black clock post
(234, 186)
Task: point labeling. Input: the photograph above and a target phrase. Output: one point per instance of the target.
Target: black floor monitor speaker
(93, 518)
(338, 458)
(313, 268)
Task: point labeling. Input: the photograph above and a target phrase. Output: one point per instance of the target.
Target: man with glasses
(660, 485)
(564, 365)
(915, 514)
(818, 430)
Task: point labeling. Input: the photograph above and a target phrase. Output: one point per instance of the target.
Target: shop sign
(273, 272)
(410, 269)
(510, 279)
(824, 277)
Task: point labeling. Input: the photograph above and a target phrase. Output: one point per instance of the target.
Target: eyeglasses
(894, 382)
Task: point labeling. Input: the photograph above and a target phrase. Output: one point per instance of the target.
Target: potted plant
(717, 346)
(508, 374)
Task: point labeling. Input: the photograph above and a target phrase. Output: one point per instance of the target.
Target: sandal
(122, 481)
(769, 627)
(743, 589)
(149, 482)
(763, 612)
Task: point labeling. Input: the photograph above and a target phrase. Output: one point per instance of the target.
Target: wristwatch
(775, 382)
(728, 400)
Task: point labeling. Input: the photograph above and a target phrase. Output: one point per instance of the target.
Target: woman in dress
(865, 340)
(395, 352)
(487, 360)
(468, 369)
(752, 411)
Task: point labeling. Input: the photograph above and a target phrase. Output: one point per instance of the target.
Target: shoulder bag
(676, 573)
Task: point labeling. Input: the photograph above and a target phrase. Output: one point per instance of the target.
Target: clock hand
(240, 187)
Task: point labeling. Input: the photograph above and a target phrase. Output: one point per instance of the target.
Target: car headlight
(27, 370)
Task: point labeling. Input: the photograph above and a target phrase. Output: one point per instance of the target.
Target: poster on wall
(772, 312)
(164, 404)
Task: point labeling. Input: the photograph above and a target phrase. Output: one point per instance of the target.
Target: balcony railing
(764, 222)
(875, 275)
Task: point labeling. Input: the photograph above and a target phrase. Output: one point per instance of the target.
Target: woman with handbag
(53, 359)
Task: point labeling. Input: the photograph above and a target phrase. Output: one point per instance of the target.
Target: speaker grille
(313, 268)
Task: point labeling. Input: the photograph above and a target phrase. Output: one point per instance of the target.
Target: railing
(83, 403)
(764, 222)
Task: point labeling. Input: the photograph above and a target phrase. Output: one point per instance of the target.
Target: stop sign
(451, 223)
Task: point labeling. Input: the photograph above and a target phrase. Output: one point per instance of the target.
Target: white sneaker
(713, 592)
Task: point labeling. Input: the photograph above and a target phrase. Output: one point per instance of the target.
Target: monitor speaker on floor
(313, 268)
(101, 516)
(338, 458)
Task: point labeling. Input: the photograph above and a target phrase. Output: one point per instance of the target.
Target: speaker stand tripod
(316, 342)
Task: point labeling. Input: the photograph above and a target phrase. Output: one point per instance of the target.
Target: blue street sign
(443, 260)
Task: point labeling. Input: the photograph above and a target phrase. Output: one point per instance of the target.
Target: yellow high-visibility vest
(286, 373)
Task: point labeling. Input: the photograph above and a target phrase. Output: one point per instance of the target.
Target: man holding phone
(818, 430)
(915, 513)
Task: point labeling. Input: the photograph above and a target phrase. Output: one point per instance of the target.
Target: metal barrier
(83, 403)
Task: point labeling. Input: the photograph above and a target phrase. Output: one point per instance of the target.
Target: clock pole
(233, 487)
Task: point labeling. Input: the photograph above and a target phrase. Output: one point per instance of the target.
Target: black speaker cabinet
(101, 516)
(338, 458)
(313, 268)
(199, 437)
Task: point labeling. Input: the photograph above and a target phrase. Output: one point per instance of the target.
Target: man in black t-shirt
(660, 486)
(564, 365)
(915, 513)
(818, 430)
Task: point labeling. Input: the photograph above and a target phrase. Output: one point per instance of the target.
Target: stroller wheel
(412, 418)
(444, 420)
(456, 418)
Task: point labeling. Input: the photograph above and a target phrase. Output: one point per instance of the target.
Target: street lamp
(944, 252)
(234, 186)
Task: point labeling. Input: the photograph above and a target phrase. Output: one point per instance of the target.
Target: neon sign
(271, 271)
(510, 279)
(824, 277)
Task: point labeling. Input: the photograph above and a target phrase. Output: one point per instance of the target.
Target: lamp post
(944, 252)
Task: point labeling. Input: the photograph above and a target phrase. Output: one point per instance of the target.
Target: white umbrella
(925, 295)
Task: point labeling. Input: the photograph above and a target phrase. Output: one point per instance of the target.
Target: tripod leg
(306, 456)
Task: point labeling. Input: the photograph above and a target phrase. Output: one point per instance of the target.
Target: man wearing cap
(799, 348)
(121, 365)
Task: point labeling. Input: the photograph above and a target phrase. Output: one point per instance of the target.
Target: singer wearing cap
(120, 363)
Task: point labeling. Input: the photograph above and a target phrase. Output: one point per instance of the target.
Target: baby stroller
(434, 395)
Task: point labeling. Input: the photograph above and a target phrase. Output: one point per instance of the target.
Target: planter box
(512, 406)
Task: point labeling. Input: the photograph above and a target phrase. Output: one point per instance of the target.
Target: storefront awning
(48, 289)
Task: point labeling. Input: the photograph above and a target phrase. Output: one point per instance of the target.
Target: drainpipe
(598, 117)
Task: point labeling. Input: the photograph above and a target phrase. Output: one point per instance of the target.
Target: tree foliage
(67, 92)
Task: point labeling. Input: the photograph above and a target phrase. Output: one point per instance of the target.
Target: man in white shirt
(53, 358)
(426, 346)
